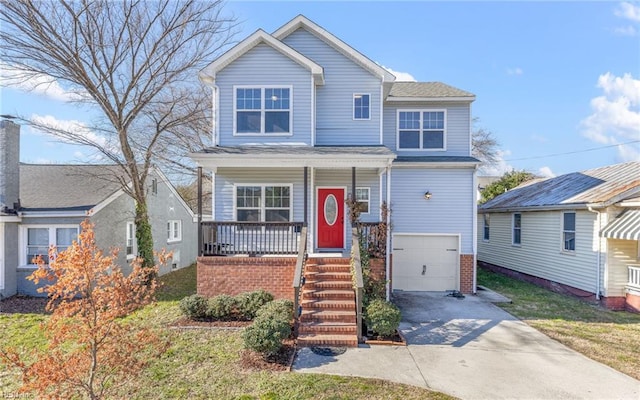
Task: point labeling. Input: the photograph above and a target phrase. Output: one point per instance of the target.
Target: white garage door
(425, 262)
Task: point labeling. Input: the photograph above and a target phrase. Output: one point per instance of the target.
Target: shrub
(249, 303)
(266, 334)
(194, 306)
(221, 307)
(281, 308)
(383, 317)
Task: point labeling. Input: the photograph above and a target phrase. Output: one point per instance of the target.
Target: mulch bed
(190, 323)
(394, 340)
(252, 361)
(24, 305)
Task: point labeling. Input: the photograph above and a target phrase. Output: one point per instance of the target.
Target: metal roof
(427, 90)
(599, 186)
(48, 187)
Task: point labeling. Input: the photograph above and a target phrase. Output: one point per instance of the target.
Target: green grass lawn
(610, 337)
(204, 363)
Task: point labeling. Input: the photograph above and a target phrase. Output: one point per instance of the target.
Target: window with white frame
(174, 230)
(361, 106)
(517, 229)
(263, 203)
(38, 239)
(263, 110)
(362, 199)
(131, 240)
(569, 231)
(422, 130)
(486, 228)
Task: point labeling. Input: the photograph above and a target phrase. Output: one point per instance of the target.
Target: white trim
(208, 74)
(474, 231)
(563, 230)
(312, 205)
(52, 214)
(213, 196)
(171, 228)
(344, 215)
(421, 130)
(381, 111)
(431, 99)
(94, 210)
(291, 159)
(435, 164)
(23, 239)
(353, 105)
(2, 262)
(513, 229)
(262, 110)
(368, 188)
(484, 226)
(313, 114)
(262, 198)
(134, 244)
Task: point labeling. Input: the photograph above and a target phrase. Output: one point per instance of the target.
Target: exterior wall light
(427, 195)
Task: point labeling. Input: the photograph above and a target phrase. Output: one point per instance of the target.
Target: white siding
(540, 253)
(621, 254)
(450, 209)
(263, 65)
(457, 134)
(334, 100)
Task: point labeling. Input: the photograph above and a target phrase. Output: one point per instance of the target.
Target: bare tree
(484, 145)
(134, 61)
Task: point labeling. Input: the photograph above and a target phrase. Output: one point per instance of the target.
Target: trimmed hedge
(383, 317)
(250, 302)
(194, 306)
(271, 326)
(222, 307)
(281, 308)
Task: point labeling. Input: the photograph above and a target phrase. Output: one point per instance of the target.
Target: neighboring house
(43, 205)
(576, 233)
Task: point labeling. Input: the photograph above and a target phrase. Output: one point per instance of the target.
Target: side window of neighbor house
(517, 229)
(174, 231)
(131, 239)
(263, 110)
(40, 238)
(361, 106)
(486, 232)
(569, 231)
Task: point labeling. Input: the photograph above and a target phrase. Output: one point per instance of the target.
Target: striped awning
(626, 226)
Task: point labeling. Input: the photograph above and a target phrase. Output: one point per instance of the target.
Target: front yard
(610, 337)
(205, 363)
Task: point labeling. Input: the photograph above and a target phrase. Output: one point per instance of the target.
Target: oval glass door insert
(330, 210)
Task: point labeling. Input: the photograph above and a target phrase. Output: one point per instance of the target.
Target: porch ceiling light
(427, 195)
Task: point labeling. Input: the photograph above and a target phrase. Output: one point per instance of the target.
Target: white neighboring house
(577, 233)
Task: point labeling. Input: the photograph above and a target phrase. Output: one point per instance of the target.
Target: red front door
(330, 218)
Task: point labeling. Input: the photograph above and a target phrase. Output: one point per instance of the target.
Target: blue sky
(551, 78)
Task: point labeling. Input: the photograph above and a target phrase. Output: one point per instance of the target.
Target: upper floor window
(422, 130)
(516, 237)
(486, 227)
(174, 231)
(38, 240)
(263, 110)
(361, 106)
(569, 231)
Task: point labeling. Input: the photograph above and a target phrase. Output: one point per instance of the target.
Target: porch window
(362, 199)
(361, 105)
(263, 110)
(263, 203)
(422, 129)
(486, 227)
(38, 240)
(517, 229)
(130, 239)
(569, 231)
(174, 231)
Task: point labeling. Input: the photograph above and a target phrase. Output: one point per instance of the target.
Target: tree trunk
(143, 235)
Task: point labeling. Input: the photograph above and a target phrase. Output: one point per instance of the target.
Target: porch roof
(626, 226)
(294, 156)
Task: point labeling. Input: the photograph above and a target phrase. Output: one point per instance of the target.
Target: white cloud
(500, 167)
(515, 71)
(546, 172)
(615, 116)
(41, 84)
(400, 76)
(625, 30)
(628, 10)
(76, 127)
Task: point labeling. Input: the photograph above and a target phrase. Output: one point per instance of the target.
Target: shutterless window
(569, 231)
(361, 106)
(263, 110)
(362, 199)
(421, 130)
(486, 227)
(517, 229)
(263, 203)
(130, 239)
(39, 240)
(174, 230)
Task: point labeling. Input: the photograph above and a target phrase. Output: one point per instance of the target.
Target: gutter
(599, 255)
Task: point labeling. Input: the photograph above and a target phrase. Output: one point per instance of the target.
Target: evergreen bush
(383, 317)
(194, 306)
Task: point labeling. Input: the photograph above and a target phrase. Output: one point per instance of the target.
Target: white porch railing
(634, 277)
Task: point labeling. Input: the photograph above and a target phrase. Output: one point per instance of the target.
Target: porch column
(200, 211)
(306, 195)
(353, 183)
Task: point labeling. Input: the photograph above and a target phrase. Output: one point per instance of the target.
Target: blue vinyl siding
(457, 133)
(450, 209)
(335, 124)
(262, 66)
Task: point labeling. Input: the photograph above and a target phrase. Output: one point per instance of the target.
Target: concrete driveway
(471, 349)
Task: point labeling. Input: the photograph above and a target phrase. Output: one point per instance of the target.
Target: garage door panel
(427, 263)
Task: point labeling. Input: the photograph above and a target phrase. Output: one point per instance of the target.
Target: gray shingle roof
(598, 185)
(300, 150)
(427, 89)
(66, 187)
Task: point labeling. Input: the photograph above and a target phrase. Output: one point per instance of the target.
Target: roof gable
(303, 22)
(208, 73)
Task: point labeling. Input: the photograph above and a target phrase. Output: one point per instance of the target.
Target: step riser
(328, 296)
(302, 342)
(325, 261)
(335, 285)
(328, 268)
(328, 276)
(305, 318)
(327, 330)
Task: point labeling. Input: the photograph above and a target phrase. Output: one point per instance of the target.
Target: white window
(361, 106)
(263, 203)
(569, 231)
(517, 229)
(362, 199)
(38, 239)
(154, 186)
(262, 110)
(174, 231)
(131, 240)
(422, 129)
(486, 230)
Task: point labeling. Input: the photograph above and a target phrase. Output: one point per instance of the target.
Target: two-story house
(302, 122)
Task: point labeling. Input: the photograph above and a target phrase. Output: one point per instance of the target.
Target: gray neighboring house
(44, 205)
(576, 233)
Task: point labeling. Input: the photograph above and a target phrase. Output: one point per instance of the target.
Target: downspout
(474, 230)
(599, 255)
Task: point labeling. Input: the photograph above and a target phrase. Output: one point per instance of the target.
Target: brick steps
(328, 304)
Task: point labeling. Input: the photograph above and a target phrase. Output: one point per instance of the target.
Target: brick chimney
(9, 165)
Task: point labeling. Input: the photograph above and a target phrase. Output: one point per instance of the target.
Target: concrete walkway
(471, 349)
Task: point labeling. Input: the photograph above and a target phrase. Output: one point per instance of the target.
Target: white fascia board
(208, 74)
(173, 190)
(556, 207)
(105, 202)
(10, 218)
(303, 22)
(54, 214)
(290, 161)
(431, 99)
(435, 165)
